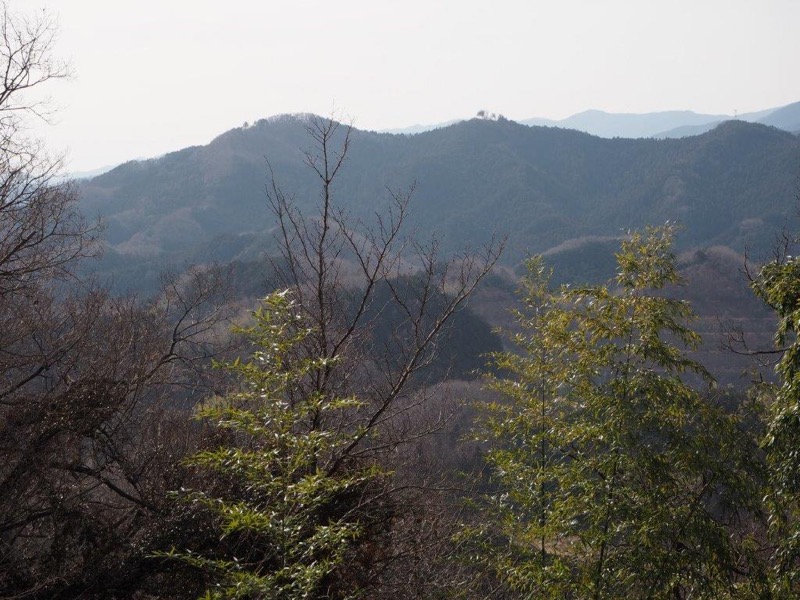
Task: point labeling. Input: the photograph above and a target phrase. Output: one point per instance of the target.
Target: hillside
(665, 124)
(566, 194)
(733, 186)
(628, 125)
(786, 118)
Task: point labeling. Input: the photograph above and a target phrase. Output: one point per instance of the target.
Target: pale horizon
(153, 77)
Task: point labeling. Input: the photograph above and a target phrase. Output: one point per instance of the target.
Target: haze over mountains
(668, 124)
(663, 124)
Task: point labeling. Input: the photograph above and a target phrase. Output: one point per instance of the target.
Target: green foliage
(614, 476)
(778, 285)
(279, 512)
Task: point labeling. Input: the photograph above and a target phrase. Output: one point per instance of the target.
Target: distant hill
(418, 128)
(560, 192)
(786, 118)
(687, 130)
(664, 124)
(667, 124)
(732, 186)
(89, 174)
(611, 125)
(540, 186)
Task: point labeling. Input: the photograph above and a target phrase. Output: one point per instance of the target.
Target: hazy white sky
(152, 76)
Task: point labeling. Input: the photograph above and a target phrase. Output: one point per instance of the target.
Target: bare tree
(93, 430)
(26, 47)
(348, 275)
(351, 279)
(93, 389)
(41, 230)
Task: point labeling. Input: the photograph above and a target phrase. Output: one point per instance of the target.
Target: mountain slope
(664, 124)
(667, 124)
(786, 118)
(539, 186)
(687, 130)
(612, 125)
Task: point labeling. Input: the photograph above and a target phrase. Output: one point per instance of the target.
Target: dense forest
(733, 186)
(326, 412)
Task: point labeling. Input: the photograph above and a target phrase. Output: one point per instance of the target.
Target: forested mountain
(786, 118)
(541, 187)
(568, 195)
(660, 124)
(327, 413)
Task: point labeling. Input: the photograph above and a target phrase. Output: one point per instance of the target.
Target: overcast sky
(152, 76)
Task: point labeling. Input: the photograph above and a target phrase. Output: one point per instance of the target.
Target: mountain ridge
(660, 124)
(540, 186)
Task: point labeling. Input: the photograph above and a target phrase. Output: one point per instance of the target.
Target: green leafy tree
(778, 284)
(284, 525)
(614, 476)
(523, 433)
